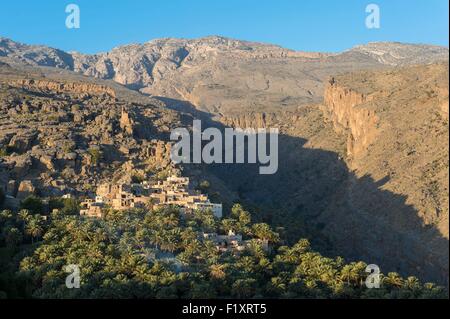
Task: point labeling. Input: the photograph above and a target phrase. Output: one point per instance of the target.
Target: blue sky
(315, 25)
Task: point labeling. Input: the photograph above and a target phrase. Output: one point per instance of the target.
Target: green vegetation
(136, 178)
(2, 197)
(16, 230)
(7, 150)
(3, 152)
(53, 117)
(96, 155)
(68, 147)
(203, 186)
(34, 204)
(161, 254)
(68, 206)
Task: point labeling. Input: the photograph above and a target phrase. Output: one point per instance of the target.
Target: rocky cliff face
(343, 107)
(384, 195)
(397, 134)
(61, 87)
(257, 120)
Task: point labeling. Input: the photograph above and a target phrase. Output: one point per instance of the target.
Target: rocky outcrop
(397, 147)
(283, 119)
(126, 122)
(251, 120)
(344, 107)
(388, 202)
(26, 188)
(22, 142)
(160, 153)
(65, 135)
(61, 87)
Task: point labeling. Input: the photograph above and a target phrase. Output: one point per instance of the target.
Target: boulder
(21, 164)
(22, 143)
(47, 161)
(26, 188)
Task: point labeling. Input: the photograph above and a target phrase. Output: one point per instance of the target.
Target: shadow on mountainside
(314, 195)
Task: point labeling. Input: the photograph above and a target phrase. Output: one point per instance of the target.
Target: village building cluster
(232, 242)
(173, 191)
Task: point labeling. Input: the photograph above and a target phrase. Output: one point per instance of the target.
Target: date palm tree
(34, 227)
(393, 279)
(217, 271)
(13, 237)
(349, 274)
(263, 231)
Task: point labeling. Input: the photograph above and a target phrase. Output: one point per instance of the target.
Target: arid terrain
(363, 149)
(367, 168)
(65, 133)
(221, 75)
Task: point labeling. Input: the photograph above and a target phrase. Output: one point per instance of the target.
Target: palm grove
(159, 254)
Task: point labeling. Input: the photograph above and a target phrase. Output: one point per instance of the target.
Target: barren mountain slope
(396, 123)
(221, 75)
(369, 172)
(64, 133)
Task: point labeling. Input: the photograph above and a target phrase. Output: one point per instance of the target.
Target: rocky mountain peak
(396, 53)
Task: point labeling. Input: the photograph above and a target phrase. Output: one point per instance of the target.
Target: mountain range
(221, 75)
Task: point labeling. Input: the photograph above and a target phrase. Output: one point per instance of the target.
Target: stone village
(173, 191)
